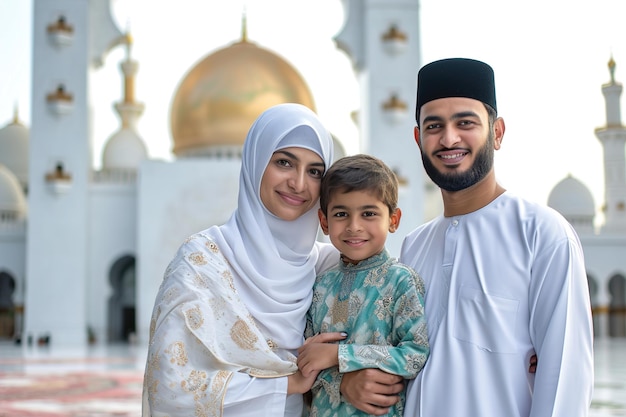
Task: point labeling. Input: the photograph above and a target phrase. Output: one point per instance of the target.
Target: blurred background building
(83, 249)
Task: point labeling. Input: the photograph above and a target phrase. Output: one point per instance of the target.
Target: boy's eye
(369, 214)
(340, 214)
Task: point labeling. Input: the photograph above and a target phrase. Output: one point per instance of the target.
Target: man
(505, 278)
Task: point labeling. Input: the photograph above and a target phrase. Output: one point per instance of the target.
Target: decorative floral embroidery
(242, 335)
(153, 322)
(200, 280)
(196, 381)
(219, 306)
(194, 318)
(383, 305)
(212, 246)
(170, 294)
(197, 258)
(415, 363)
(178, 354)
(228, 277)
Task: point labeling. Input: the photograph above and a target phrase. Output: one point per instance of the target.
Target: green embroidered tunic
(380, 304)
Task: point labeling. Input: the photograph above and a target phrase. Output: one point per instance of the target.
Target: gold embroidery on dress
(194, 318)
(229, 280)
(212, 246)
(152, 327)
(242, 335)
(219, 307)
(170, 294)
(178, 354)
(196, 382)
(151, 383)
(272, 345)
(197, 258)
(201, 281)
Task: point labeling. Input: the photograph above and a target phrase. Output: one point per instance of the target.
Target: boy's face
(357, 224)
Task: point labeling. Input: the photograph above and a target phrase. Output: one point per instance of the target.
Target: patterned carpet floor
(70, 387)
(107, 381)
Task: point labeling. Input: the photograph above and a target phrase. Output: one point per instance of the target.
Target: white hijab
(274, 259)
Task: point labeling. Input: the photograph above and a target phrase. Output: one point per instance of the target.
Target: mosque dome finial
(16, 119)
(244, 26)
(611, 65)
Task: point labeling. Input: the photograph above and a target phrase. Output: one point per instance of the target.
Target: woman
(230, 313)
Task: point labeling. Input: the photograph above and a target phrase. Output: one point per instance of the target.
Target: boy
(378, 302)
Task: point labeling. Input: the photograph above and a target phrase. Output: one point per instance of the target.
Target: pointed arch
(617, 306)
(7, 307)
(122, 303)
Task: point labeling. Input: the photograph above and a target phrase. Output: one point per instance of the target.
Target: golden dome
(219, 99)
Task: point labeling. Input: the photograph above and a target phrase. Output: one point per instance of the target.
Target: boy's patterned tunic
(380, 304)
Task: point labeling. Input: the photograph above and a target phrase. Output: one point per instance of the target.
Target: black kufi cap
(455, 77)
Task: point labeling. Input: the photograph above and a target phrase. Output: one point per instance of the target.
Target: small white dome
(12, 200)
(572, 199)
(14, 139)
(124, 150)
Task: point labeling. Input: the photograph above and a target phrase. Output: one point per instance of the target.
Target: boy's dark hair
(360, 173)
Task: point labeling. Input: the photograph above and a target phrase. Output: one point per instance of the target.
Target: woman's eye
(317, 173)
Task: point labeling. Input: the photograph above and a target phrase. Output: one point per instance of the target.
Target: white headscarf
(274, 259)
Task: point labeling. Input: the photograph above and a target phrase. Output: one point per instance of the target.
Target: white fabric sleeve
(328, 257)
(561, 330)
(248, 396)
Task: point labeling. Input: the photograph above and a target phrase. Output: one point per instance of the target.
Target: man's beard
(462, 180)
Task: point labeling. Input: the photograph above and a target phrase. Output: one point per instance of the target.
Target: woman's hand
(315, 357)
(319, 352)
(371, 390)
(299, 384)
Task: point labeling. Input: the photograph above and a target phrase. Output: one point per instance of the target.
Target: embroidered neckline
(371, 262)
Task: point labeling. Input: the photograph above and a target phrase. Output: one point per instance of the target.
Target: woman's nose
(297, 181)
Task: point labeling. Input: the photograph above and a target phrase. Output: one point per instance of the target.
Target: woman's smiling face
(291, 182)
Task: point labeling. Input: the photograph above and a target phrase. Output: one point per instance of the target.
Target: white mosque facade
(82, 251)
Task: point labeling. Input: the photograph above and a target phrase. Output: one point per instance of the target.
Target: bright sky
(550, 59)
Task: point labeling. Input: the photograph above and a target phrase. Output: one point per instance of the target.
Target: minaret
(70, 39)
(129, 110)
(613, 139)
(382, 39)
(125, 150)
